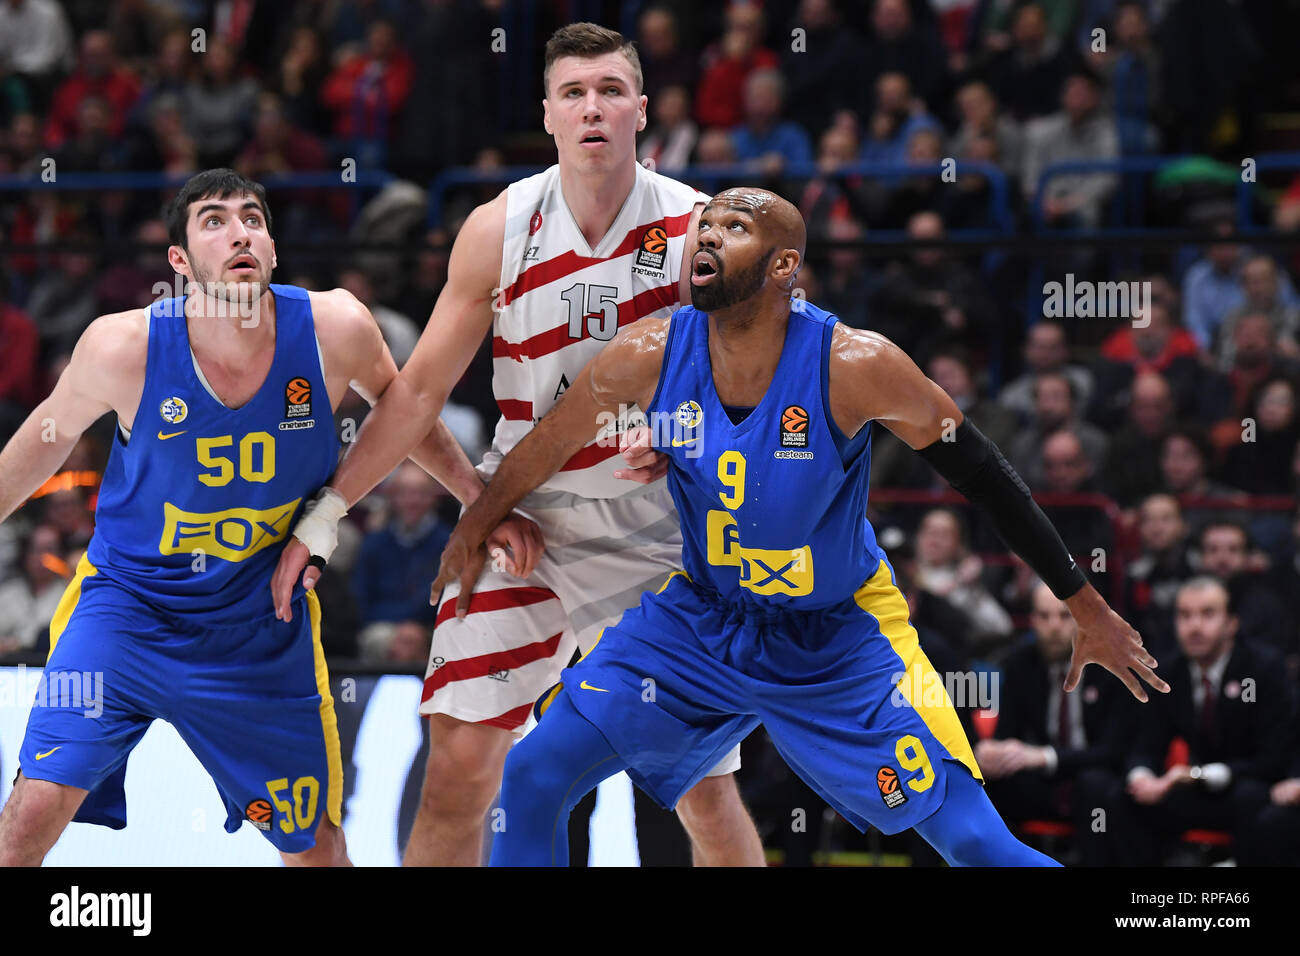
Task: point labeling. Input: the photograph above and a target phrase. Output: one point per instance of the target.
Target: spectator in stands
(665, 62)
(1184, 464)
(1212, 287)
(165, 144)
(930, 298)
(1028, 76)
(896, 115)
(719, 99)
(1055, 407)
(896, 44)
(276, 148)
(1081, 130)
(980, 116)
(848, 282)
(951, 369)
(367, 90)
(1046, 349)
(1258, 463)
(36, 45)
(1068, 469)
(168, 76)
(19, 368)
(831, 195)
(924, 192)
(218, 106)
(1275, 837)
(971, 205)
(715, 148)
(1055, 755)
(400, 333)
(1158, 346)
(98, 74)
(1154, 576)
(25, 144)
(1133, 464)
(946, 567)
(1227, 554)
(92, 148)
(28, 601)
(62, 303)
(816, 79)
(669, 142)
(1235, 738)
(764, 141)
(409, 644)
(139, 278)
(1262, 294)
(427, 278)
(1255, 360)
(1132, 67)
(396, 563)
(301, 76)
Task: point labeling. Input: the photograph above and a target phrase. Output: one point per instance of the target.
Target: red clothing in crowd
(368, 89)
(120, 88)
(720, 98)
(19, 345)
(1120, 348)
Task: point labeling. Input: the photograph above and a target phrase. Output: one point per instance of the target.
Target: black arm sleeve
(974, 466)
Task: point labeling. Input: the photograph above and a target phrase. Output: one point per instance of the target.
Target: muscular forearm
(538, 456)
(443, 458)
(28, 459)
(402, 419)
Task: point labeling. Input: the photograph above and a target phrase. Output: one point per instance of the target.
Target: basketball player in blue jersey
(786, 612)
(224, 402)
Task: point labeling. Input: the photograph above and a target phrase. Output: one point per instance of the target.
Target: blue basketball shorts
(252, 702)
(846, 694)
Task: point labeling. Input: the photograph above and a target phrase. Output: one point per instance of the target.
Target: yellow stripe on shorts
(68, 603)
(328, 721)
(881, 598)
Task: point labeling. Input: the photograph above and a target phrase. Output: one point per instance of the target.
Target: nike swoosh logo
(584, 685)
(679, 442)
(163, 437)
(48, 752)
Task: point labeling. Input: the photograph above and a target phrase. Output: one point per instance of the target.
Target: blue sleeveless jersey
(771, 513)
(194, 508)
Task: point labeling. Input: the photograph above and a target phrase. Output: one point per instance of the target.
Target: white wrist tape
(318, 528)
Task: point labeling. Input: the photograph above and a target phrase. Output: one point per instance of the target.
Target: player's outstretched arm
(872, 378)
(106, 373)
(625, 372)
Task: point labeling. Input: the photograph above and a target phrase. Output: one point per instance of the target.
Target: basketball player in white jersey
(553, 266)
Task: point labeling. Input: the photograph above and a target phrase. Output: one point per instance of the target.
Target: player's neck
(596, 200)
(230, 328)
(745, 345)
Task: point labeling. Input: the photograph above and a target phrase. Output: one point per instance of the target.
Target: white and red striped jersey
(560, 301)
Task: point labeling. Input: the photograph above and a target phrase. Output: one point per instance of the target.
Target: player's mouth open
(703, 269)
(243, 265)
(594, 140)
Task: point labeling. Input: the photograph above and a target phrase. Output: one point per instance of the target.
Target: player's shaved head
(777, 219)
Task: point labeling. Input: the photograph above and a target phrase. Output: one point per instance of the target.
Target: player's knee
(710, 805)
(464, 768)
(35, 814)
(531, 769)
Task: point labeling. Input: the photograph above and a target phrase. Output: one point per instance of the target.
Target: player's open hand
(516, 546)
(644, 462)
(1105, 638)
(293, 562)
(462, 560)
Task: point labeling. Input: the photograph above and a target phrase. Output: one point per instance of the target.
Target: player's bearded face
(231, 254)
(727, 289)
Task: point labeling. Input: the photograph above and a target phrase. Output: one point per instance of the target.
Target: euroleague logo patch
(535, 223)
(654, 245)
(258, 813)
(794, 427)
(297, 398)
(890, 791)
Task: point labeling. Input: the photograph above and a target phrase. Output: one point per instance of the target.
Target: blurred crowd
(1167, 451)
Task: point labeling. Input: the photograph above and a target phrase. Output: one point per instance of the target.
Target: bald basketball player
(786, 611)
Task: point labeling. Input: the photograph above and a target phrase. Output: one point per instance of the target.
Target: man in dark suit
(1055, 755)
(1275, 838)
(1230, 703)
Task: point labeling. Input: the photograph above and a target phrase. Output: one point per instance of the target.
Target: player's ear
(179, 261)
(787, 265)
(546, 116)
(641, 119)
(273, 259)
